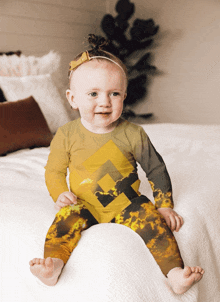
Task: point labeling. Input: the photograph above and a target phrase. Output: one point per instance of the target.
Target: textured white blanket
(111, 262)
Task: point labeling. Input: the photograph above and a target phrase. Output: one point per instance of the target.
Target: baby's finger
(61, 203)
(71, 197)
(173, 222)
(168, 222)
(178, 223)
(181, 219)
(57, 207)
(65, 201)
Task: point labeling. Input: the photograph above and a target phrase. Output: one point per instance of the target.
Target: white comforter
(111, 262)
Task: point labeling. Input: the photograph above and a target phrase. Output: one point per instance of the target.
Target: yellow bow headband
(85, 57)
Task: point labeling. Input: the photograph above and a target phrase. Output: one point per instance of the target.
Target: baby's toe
(201, 271)
(33, 261)
(49, 263)
(187, 271)
(196, 270)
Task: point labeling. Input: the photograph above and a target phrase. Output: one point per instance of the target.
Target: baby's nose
(105, 100)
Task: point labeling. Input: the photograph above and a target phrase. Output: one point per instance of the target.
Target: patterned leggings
(141, 216)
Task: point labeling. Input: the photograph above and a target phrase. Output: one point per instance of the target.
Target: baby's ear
(70, 98)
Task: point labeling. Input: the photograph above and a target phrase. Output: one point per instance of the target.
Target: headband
(85, 57)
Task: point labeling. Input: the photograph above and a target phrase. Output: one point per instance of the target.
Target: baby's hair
(98, 44)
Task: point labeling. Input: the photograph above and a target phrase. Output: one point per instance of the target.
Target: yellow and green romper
(103, 176)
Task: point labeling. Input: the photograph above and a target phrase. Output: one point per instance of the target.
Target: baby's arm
(158, 177)
(173, 220)
(56, 171)
(65, 199)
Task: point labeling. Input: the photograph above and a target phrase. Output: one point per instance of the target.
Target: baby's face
(98, 89)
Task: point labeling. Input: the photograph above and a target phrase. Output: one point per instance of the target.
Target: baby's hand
(65, 199)
(173, 220)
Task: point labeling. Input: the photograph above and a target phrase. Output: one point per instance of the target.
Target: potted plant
(131, 50)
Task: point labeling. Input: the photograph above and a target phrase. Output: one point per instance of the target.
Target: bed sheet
(111, 262)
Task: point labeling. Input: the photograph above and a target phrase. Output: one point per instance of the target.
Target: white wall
(187, 51)
(37, 26)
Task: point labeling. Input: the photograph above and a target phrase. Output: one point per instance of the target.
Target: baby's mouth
(103, 113)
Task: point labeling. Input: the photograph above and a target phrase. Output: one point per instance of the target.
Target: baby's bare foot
(182, 279)
(47, 270)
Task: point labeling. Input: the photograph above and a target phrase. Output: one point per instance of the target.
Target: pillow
(22, 125)
(18, 66)
(29, 65)
(42, 88)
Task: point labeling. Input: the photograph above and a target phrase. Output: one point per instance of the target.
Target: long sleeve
(56, 167)
(156, 171)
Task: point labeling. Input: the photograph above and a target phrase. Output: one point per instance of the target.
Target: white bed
(111, 262)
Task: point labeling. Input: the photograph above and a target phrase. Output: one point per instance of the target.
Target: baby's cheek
(88, 112)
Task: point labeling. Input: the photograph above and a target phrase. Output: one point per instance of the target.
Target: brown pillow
(22, 125)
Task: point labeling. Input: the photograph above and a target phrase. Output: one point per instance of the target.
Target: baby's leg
(142, 217)
(61, 240)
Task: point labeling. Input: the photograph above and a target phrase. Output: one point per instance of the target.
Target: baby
(101, 151)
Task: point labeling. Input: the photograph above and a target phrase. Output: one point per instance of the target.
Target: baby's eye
(93, 94)
(115, 93)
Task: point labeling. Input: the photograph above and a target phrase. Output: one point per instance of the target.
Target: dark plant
(141, 33)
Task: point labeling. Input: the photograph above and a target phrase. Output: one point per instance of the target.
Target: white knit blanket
(111, 262)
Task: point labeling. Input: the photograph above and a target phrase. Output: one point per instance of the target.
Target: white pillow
(20, 66)
(42, 88)
(15, 66)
